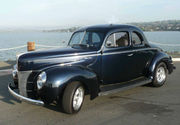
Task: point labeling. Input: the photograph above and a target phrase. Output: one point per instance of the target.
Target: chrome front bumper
(22, 98)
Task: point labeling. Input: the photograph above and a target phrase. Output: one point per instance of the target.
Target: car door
(141, 53)
(117, 58)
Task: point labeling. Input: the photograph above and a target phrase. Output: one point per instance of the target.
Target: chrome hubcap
(78, 98)
(161, 74)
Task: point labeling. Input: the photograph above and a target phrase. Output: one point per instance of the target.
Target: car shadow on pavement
(57, 107)
(5, 96)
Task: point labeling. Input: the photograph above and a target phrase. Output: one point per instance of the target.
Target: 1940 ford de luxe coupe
(98, 60)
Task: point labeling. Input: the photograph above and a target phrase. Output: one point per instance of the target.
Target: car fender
(159, 57)
(59, 77)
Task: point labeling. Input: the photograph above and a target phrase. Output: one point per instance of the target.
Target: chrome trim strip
(112, 53)
(75, 56)
(64, 55)
(69, 63)
(128, 51)
(25, 99)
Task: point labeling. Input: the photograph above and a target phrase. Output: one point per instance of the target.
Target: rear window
(137, 38)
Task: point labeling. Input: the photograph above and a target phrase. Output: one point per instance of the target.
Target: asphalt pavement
(138, 106)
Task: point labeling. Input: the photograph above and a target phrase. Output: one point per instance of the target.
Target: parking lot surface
(138, 106)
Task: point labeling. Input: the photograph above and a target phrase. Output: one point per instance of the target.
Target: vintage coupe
(98, 60)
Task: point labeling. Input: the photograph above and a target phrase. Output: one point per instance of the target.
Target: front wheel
(73, 97)
(160, 75)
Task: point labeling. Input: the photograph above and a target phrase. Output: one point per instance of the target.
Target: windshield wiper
(83, 45)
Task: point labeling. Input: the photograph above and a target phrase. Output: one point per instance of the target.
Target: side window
(119, 39)
(137, 38)
(96, 38)
(85, 39)
(110, 41)
(77, 37)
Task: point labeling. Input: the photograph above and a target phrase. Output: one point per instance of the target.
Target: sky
(67, 13)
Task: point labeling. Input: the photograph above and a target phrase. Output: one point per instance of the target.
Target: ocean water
(15, 39)
(169, 41)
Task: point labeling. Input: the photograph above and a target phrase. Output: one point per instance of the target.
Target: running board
(109, 89)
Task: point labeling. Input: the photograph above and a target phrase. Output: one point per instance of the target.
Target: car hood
(42, 59)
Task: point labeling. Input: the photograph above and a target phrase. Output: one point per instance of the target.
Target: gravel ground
(138, 106)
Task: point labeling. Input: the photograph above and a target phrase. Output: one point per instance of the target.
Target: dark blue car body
(93, 67)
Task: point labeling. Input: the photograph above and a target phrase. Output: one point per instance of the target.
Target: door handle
(130, 54)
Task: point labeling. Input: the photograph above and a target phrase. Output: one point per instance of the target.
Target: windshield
(87, 39)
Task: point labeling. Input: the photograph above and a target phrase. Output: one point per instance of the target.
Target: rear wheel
(160, 75)
(73, 97)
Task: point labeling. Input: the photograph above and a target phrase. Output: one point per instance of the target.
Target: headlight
(14, 71)
(41, 80)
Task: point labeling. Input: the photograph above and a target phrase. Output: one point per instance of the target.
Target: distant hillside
(72, 29)
(169, 25)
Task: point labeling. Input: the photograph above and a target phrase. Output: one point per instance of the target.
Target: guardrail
(47, 46)
(30, 47)
(18, 47)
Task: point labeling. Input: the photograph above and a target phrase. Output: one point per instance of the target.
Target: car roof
(108, 27)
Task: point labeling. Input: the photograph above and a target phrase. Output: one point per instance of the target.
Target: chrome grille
(22, 81)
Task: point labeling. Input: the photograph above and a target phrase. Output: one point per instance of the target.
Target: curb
(176, 59)
(6, 70)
